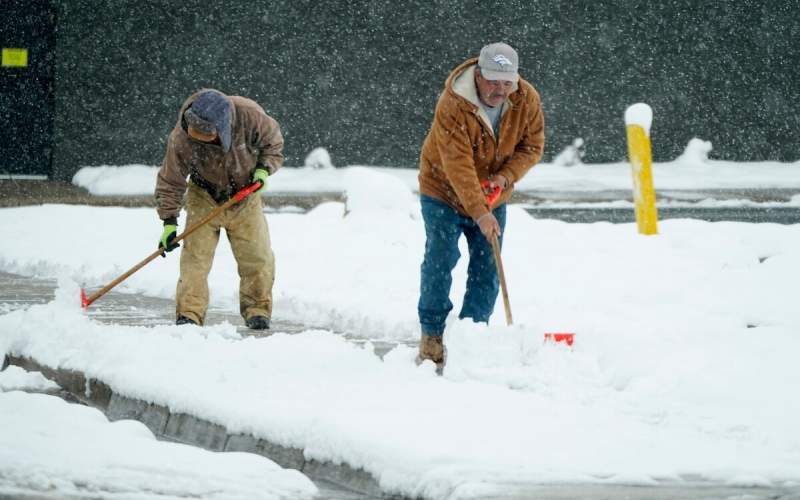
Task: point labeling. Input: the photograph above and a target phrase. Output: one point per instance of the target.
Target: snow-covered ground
(684, 364)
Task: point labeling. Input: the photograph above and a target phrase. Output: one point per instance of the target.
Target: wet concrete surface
(15, 193)
(758, 195)
(139, 310)
(535, 203)
(778, 215)
(119, 308)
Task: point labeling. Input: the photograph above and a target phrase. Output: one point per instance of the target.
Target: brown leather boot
(431, 347)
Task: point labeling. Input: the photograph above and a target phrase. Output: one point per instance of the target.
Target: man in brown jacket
(222, 144)
(488, 126)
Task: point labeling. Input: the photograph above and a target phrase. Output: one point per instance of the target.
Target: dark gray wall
(27, 104)
(361, 78)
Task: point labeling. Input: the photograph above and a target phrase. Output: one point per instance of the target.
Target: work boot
(257, 323)
(431, 347)
(183, 320)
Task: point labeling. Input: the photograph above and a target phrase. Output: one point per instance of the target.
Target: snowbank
(117, 180)
(692, 170)
(14, 378)
(73, 451)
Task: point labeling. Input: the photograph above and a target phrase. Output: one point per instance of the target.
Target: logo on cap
(502, 60)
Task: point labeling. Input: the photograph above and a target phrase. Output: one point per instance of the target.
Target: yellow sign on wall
(15, 58)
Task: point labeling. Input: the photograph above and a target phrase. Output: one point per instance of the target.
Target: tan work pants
(248, 234)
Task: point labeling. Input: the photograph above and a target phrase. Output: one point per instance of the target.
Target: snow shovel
(244, 193)
(565, 337)
(490, 199)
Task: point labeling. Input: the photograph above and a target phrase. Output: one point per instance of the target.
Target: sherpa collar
(463, 84)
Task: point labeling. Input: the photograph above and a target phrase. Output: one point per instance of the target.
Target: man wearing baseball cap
(488, 126)
(222, 144)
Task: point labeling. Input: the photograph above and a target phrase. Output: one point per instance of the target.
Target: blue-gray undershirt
(494, 117)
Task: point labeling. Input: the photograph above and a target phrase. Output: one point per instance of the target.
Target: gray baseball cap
(499, 61)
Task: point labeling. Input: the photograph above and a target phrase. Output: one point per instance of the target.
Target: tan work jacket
(256, 140)
(461, 149)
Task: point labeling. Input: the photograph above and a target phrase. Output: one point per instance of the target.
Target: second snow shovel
(490, 199)
(242, 194)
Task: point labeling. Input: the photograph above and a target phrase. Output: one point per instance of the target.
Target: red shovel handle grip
(494, 194)
(245, 192)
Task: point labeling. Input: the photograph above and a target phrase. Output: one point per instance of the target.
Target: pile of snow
(49, 446)
(567, 172)
(14, 378)
(117, 180)
(318, 158)
(696, 152)
(376, 195)
(571, 155)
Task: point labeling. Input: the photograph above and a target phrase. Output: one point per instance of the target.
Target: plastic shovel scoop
(555, 337)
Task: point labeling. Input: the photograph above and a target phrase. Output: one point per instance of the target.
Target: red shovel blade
(84, 300)
(567, 338)
(493, 195)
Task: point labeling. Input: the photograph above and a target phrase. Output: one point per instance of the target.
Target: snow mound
(372, 193)
(122, 459)
(318, 158)
(68, 293)
(517, 357)
(571, 155)
(15, 378)
(696, 152)
(124, 180)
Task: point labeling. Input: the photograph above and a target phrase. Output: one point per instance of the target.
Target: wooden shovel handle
(491, 198)
(502, 275)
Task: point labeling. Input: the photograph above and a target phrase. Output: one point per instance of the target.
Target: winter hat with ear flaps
(211, 112)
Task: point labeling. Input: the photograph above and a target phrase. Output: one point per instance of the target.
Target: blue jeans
(443, 227)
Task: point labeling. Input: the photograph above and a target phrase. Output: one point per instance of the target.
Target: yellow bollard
(637, 121)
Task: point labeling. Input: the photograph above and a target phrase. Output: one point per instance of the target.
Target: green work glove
(260, 175)
(167, 237)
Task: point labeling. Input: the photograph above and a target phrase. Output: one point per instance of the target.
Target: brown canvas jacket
(461, 149)
(256, 140)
